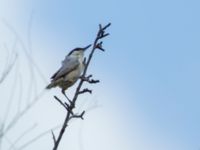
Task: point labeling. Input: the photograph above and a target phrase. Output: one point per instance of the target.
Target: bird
(70, 71)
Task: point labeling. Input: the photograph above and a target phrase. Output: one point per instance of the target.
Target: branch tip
(100, 27)
(106, 26)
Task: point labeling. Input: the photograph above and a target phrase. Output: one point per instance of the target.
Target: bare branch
(38, 137)
(61, 103)
(85, 91)
(21, 136)
(106, 26)
(92, 81)
(89, 80)
(8, 69)
(54, 138)
(96, 45)
(28, 55)
(23, 112)
(32, 89)
(100, 27)
(99, 46)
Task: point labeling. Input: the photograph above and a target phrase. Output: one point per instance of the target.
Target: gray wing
(68, 65)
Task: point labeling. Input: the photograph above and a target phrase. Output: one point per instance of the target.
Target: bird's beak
(85, 48)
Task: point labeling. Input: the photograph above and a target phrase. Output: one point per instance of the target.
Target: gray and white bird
(70, 71)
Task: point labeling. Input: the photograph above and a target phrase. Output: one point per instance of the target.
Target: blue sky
(150, 71)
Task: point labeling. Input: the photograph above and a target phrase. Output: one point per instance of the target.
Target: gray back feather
(68, 64)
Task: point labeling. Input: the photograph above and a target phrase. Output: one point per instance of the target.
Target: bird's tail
(54, 83)
(51, 85)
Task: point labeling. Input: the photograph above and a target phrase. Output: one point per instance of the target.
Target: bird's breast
(75, 74)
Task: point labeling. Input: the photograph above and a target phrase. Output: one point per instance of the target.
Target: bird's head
(78, 52)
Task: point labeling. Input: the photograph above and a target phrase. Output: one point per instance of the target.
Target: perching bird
(70, 71)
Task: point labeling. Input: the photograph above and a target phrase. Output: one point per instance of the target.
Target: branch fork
(78, 116)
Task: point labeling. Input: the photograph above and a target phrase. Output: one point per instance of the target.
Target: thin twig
(32, 89)
(38, 137)
(21, 136)
(23, 112)
(85, 91)
(29, 57)
(54, 138)
(63, 104)
(8, 69)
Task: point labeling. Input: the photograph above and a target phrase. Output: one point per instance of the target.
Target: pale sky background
(149, 92)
